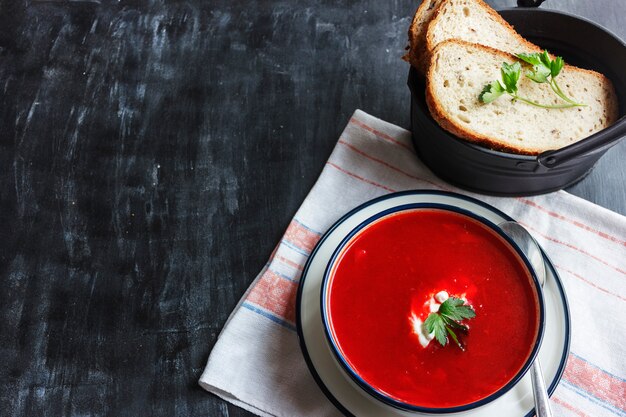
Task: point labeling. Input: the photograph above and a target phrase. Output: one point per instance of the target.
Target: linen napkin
(257, 363)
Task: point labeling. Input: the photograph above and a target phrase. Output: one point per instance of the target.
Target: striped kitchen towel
(257, 363)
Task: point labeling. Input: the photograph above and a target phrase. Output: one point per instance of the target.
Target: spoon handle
(542, 401)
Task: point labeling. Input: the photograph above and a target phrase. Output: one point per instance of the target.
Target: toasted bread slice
(458, 72)
(417, 34)
(469, 20)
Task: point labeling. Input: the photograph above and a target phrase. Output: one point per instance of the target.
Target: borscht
(395, 272)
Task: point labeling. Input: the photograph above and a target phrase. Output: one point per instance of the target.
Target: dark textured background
(151, 154)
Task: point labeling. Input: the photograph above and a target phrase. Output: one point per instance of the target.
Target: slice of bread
(469, 20)
(474, 21)
(458, 72)
(416, 54)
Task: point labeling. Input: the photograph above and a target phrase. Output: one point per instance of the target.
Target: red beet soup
(383, 284)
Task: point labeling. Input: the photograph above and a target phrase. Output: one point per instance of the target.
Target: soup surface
(388, 275)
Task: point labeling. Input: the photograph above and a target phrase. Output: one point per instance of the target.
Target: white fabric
(257, 363)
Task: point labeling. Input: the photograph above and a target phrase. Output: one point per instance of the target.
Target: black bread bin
(473, 167)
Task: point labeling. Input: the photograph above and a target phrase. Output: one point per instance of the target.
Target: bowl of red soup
(430, 308)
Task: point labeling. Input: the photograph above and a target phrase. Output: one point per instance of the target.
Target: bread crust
(417, 52)
(447, 123)
(430, 44)
(421, 43)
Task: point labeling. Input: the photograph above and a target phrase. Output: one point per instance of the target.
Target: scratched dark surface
(151, 154)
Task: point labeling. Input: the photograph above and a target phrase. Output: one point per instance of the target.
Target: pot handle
(600, 141)
(529, 3)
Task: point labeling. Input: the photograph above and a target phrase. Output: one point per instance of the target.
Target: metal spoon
(529, 246)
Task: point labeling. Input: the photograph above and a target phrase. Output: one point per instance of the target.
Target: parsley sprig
(544, 70)
(445, 321)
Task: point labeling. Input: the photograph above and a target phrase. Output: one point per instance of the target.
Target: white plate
(349, 397)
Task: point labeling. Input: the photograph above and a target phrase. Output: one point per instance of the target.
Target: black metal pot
(581, 43)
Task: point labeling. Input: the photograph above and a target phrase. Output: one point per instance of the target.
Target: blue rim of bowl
(381, 396)
(307, 358)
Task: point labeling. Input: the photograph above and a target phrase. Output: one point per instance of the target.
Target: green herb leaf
(556, 66)
(545, 58)
(510, 76)
(532, 59)
(544, 70)
(454, 324)
(455, 309)
(465, 312)
(448, 307)
(456, 340)
(539, 74)
(491, 92)
(543, 66)
(434, 324)
(447, 319)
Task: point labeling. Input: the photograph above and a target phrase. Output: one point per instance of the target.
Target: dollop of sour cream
(420, 330)
(418, 325)
(441, 296)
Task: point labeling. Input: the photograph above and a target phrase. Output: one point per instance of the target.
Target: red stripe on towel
(388, 165)
(375, 184)
(381, 134)
(289, 262)
(275, 294)
(569, 245)
(595, 381)
(569, 407)
(300, 236)
(589, 282)
(572, 221)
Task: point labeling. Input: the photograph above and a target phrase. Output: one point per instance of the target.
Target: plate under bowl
(347, 396)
